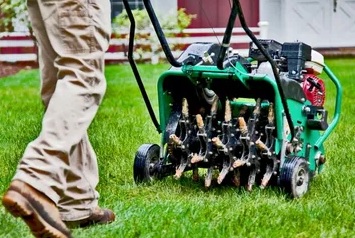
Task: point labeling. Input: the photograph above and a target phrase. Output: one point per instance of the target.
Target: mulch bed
(7, 69)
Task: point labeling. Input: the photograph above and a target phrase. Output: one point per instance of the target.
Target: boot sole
(19, 206)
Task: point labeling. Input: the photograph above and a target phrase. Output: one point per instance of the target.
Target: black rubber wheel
(295, 177)
(145, 161)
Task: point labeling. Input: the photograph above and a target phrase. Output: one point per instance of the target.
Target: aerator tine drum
(252, 121)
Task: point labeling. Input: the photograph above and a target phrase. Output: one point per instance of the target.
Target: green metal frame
(312, 139)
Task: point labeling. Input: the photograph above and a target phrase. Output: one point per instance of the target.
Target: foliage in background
(6, 14)
(146, 40)
(179, 21)
(182, 22)
(14, 17)
(13, 12)
(121, 21)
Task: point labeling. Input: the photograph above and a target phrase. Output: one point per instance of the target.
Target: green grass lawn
(183, 208)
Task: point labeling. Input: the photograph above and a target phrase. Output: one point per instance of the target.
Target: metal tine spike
(214, 106)
(236, 177)
(180, 169)
(218, 143)
(185, 108)
(271, 115)
(252, 144)
(208, 178)
(178, 173)
(223, 174)
(270, 127)
(201, 128)
(228, 112)
(175, 139)
(251, 180)
(242, 126)
(261, 146)
(195, 175)
(257, 107)
(196, 158)
(270, 170)
(239, 163)
(266, 177)
(200, 123)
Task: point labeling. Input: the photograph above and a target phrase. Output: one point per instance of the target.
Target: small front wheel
(295, 176)
(145, 162)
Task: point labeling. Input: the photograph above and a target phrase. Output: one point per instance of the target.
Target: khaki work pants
(73, 36)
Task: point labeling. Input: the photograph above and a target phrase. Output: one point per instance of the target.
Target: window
(117, 6)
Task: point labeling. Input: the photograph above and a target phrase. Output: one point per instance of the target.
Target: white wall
(312, 21)
(270, 11)
(164, 7)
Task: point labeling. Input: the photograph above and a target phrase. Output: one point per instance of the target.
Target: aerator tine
(249, 121)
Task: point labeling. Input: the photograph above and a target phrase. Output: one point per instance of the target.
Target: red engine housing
(314, 89)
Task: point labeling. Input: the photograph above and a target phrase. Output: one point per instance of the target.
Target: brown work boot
(99, 216)
(37, 210)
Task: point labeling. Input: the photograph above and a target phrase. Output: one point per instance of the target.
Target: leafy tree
(13, 11)
(179, 22)
(172, 24)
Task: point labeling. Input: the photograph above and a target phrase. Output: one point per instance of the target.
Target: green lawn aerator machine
(249, 121)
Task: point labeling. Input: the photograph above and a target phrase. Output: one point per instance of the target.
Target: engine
(296, 61)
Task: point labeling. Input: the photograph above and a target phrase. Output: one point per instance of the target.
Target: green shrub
(146, 41)
(11, 10)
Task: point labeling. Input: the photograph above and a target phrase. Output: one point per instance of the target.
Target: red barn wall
(215, 13)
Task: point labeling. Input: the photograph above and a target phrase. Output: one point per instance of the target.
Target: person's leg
(48, 73)
(81, 197)
(86, 157)
(40, 213)
(21, 199)
(79, 32)
(76, 199)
